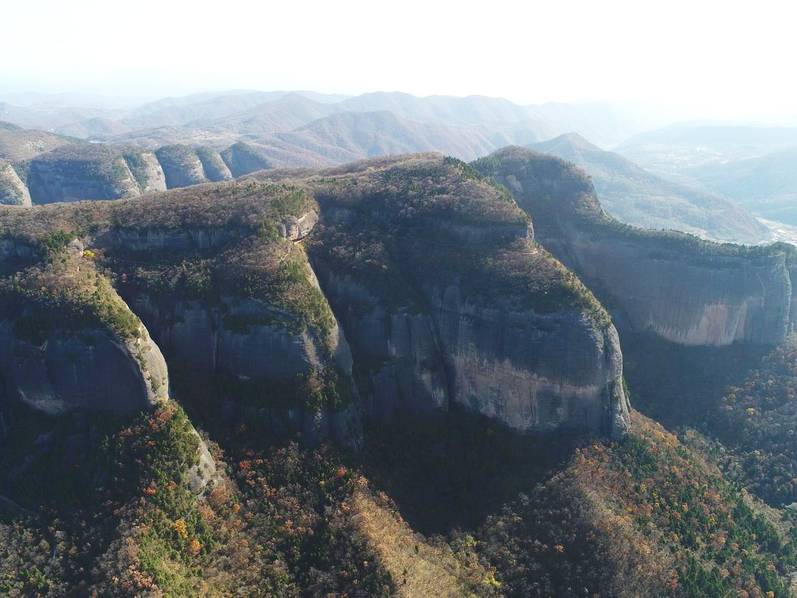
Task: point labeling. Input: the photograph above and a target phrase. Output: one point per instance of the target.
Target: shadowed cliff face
(685, 290)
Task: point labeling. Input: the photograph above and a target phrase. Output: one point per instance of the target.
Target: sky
(720, 60)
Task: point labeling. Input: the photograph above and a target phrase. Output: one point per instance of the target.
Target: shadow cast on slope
(678, 385)
(451, 470)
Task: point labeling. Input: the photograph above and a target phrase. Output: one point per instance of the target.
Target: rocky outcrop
(462, 308)
(398, 363)
(683, 289)
(165, 239)
(715, 301)
(13, 191)
(71, 349)
(251, 334)
(248, 350)
(296, 228)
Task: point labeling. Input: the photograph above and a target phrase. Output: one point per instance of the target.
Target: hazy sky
(724, 59)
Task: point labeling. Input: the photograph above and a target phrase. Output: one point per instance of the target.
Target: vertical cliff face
(147, 171)
(69, 342)
(92, 172)
(258, 362)
(71, 349)
(184, 165)
(683, 289)
(67, 174)
(213, 165)
(534, 372)
(181, 165)
(432, 273)
(243, 158)
(446, 300)
(220, 278)
(399, 366)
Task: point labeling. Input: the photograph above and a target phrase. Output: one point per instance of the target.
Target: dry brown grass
(419, 568)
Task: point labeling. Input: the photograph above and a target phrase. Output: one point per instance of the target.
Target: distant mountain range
(17, 143)
(754, 166)
(697, 178)
(261, 113)
(679, 147)
(766, 185)
(636, 196)
(41, 167)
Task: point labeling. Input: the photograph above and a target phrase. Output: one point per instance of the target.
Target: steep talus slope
(685, 290)
(641, 198)
(447, 300)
